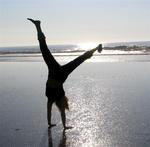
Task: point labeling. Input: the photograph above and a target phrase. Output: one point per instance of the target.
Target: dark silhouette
(57, 75)
(50, 139)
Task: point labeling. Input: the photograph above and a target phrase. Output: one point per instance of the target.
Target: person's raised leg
(48, 57)
(37, 25)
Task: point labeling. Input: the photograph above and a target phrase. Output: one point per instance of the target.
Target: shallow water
(109, 106)
(66, 57)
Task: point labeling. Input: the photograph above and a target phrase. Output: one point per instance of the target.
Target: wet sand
(109, 106)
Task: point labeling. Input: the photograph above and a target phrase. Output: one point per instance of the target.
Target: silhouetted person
(57, 75)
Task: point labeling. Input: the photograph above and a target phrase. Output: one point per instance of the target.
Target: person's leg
(69, 67)
(48, 57)
(49, 111)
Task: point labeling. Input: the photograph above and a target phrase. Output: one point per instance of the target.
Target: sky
(74, 21)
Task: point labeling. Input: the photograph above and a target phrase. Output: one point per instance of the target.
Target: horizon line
(78, 43)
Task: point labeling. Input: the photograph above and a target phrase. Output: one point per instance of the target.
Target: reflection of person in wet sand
(62, 142)
(57, 75)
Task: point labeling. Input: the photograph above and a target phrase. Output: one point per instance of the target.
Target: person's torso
(54, 89)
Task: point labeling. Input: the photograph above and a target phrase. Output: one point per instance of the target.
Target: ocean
(115, 50)
(108, 97)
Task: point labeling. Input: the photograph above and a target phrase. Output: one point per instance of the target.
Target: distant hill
(129, 46)
(137, 43)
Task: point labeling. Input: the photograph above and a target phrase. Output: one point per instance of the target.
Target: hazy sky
(74, 21)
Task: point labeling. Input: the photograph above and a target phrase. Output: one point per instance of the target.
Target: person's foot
(36, 22)
(99, 48)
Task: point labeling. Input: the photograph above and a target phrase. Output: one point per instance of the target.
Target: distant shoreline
(24, 54)
(119, 48)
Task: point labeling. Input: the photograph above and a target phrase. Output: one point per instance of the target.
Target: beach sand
(109, 106)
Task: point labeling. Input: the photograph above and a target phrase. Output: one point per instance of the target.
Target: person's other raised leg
(69, 67)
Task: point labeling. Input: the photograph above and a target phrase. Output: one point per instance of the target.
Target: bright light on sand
(88, 45)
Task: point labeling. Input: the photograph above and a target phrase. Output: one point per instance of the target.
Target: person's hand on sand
(67, 128)
(51, 125)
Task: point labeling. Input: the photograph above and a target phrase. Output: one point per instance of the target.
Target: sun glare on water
(88, 45)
